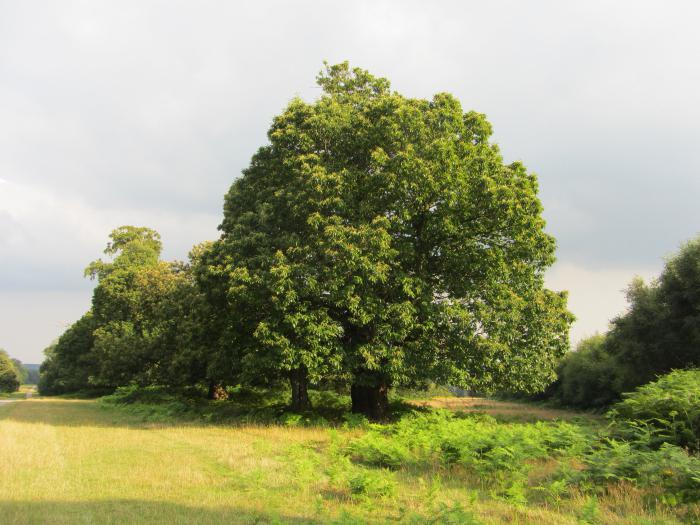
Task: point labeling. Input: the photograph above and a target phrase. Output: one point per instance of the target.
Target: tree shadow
(82, 413)
(135, 512)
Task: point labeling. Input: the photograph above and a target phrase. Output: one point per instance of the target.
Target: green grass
(84, 461)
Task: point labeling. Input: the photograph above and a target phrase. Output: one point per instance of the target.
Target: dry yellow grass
(74, 462)
(493, 407)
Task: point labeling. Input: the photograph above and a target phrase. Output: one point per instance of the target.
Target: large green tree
(382, 238)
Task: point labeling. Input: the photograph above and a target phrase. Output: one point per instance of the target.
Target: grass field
(77, 461)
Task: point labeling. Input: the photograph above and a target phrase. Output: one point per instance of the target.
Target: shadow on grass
(135, 512)
(67, 412)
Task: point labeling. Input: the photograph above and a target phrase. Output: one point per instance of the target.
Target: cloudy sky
(144, 112)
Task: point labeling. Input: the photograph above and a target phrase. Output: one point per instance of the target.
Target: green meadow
(69, 461)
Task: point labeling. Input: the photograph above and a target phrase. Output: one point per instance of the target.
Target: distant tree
(9, 377)
(148, 323)
(659, 332)
(69, 363)
(22, 372)
(127, 287)
(383, 239)
(587, 376)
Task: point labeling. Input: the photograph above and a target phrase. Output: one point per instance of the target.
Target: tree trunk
(370, 396)
(217, 391)
(299, 381)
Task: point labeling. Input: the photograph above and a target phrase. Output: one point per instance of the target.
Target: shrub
(669, 409)
(670, 468)
(371, 483)
(503, 453)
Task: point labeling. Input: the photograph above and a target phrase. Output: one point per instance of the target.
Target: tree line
(377, 240)
(658, 333)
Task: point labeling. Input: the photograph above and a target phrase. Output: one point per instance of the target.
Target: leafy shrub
(371, 483)
(502, 454)
(352, 421)
(670, 468)
(669, 409)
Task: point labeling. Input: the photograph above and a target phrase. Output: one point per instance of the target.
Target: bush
(669, 468)
(668, 409)
(371, 483)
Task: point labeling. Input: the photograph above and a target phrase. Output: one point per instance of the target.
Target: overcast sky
(144, 112)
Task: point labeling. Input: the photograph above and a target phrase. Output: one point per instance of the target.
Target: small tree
(9, 377)
(382, 238)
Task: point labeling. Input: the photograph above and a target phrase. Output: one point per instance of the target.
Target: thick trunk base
(371, 400)
(299, 381)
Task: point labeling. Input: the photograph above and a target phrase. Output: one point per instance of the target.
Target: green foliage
(669, 468)
(657, 334)
(22, 372)
(590, 513)
(478, 442)
(371, 483)
(503, 454)
(669, 409)
(69, 362)
(382, 239)
(586, 376)
(9, 376)
(244, 405)
(148, 323)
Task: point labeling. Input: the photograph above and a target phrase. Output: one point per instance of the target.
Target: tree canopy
(377, 240)
(383, 239)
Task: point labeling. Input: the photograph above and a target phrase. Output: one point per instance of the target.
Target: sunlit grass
(73, 461)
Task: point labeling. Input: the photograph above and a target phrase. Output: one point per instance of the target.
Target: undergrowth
(544, 464)
(507, 458)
